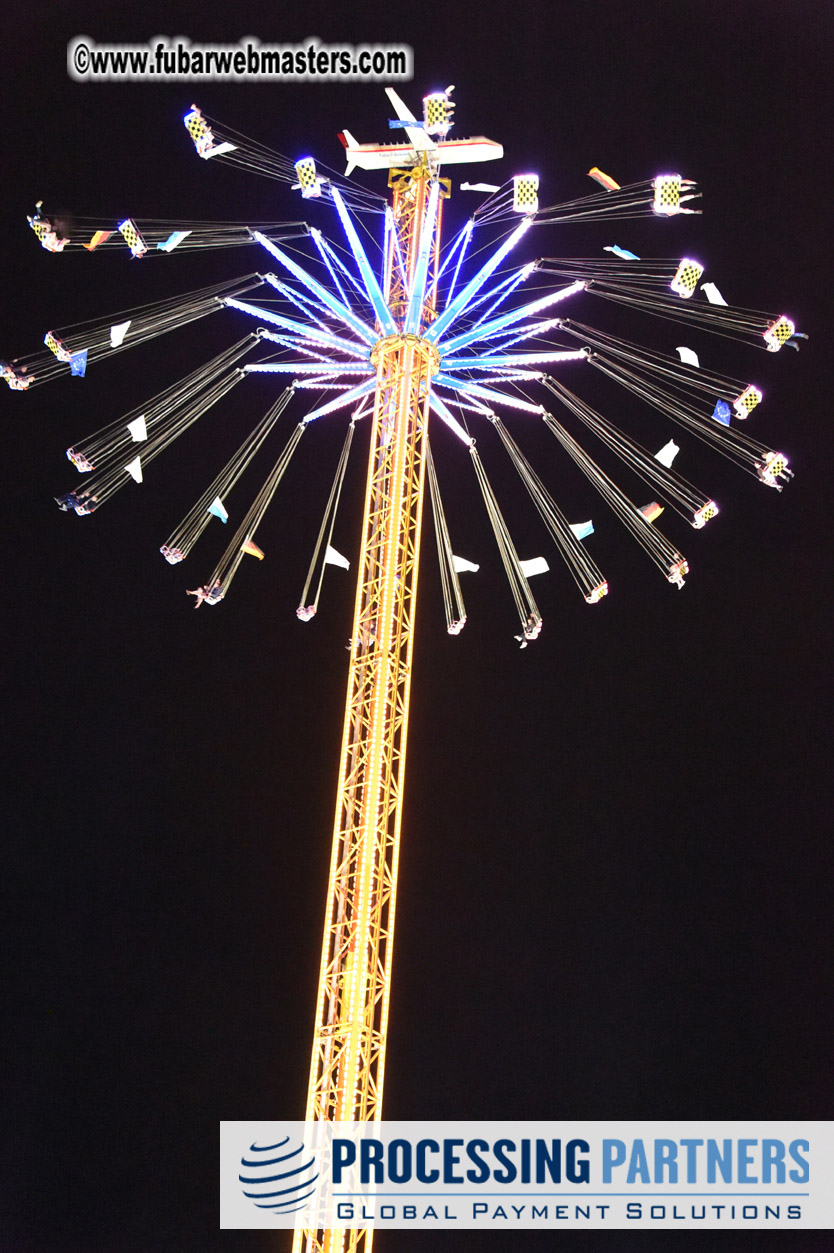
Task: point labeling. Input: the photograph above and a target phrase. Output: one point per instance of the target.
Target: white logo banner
(527, 1175)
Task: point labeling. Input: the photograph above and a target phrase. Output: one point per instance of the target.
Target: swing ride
(409, 337)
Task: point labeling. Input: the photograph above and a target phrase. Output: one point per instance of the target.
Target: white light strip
(386, 249)
(335, 306)
(307, 332)
(354, 282)
(322, 384)
(296, 344)
(485, 393)
(512, 359)
(467, 236)
(368, 277)
(418, 287)
(310, 308)
(340, 401)
(502, 291)
(515, 315)
(317, 240)
(446, 415)
(308, 367)
(474, 285)
(533, 330)
(501, 376)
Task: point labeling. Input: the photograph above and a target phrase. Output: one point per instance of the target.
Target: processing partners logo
(527, 1176)
(279, 1177)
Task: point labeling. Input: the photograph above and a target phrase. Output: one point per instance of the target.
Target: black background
(614, 885)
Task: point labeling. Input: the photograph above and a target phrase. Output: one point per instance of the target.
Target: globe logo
(278, 1177)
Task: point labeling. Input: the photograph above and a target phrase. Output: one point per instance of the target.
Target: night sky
(615, 876)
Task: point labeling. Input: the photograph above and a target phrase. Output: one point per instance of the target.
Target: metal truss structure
(348, 1063)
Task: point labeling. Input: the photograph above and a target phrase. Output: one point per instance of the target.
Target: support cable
(683, 497)
(452, 595)
(528, 610)
(586, 574)
(183, 538)
(243, 542)
(307, 609)
(662, 553)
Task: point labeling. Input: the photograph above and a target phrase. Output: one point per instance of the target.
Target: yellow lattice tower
(348, 1062)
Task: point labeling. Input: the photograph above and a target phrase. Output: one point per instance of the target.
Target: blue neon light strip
(502, 291)
(519, 334)
(308, 367)
(350, 277)
(296, 344)
(466, 235)
(445, 414)
(304, 303)
(511, 359)
(507, 319)
(317, 240)
(308, 306)
(368, 277)
(473, 407)
(474, 285)
(484, 393)
(340, 401)
(386, 250)
(461, 239)
(322, 384)
(289, 324)
(413, 316)
(503, 376)
(335, 306)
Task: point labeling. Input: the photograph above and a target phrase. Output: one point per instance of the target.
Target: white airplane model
(420, 143)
